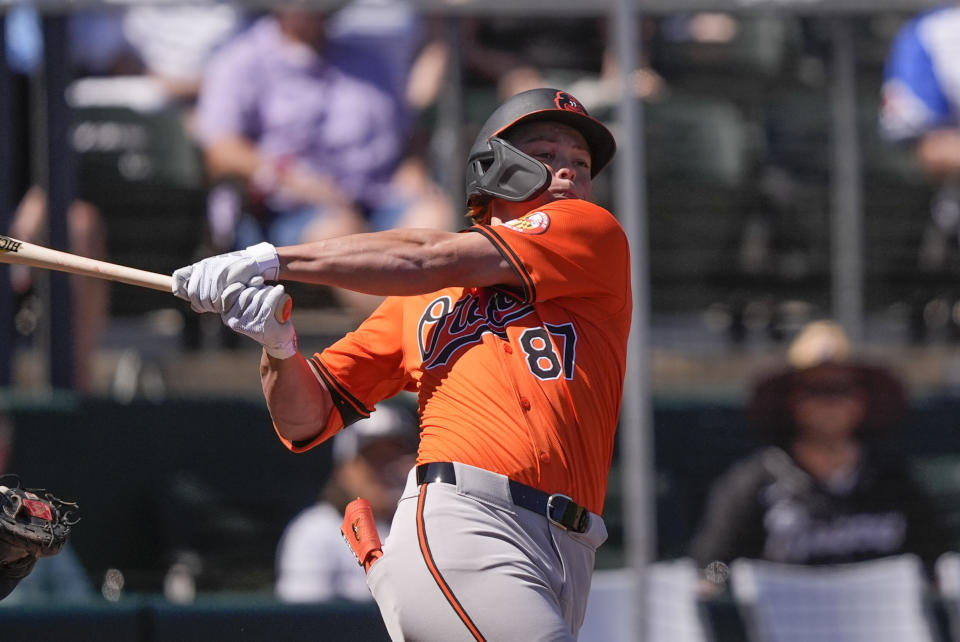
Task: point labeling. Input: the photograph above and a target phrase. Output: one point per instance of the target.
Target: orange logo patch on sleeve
(533, 223)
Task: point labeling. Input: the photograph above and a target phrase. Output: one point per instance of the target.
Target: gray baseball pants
(462, 562)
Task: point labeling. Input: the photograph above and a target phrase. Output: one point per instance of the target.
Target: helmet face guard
(506, 172)
(499, 170)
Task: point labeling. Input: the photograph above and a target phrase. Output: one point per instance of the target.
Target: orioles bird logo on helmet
(567, 102)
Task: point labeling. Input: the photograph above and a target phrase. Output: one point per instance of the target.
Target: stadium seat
(143, 171)
(895, 197)
(876, 601)
(940, 476)
(948, 581)
(696, 138)
(736, 59)
(672, 612)
(698, 155)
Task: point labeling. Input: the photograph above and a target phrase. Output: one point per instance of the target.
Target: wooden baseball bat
(23, 253)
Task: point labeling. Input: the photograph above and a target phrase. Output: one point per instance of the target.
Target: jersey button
(524, 403)
(508, 348)
(545, 457)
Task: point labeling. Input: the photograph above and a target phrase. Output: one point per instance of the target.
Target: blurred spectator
(603, 90)
(174, 43)
(158, 50)
(515, 54)
(393, 45)
(371, 460)
(824, 491)
(921, 99)
(91, 297)
(85, 230)
(97, 45)
(386, 42)
(169, 44)
(318, 150)
(921, 108)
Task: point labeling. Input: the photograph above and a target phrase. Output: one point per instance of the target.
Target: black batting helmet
(497, 169)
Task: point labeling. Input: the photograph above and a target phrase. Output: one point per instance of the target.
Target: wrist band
(268, 262)
(285, 351)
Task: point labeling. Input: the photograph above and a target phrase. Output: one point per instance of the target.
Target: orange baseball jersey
(523, 383)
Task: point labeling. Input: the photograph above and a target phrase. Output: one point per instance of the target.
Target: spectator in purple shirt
(319, 150)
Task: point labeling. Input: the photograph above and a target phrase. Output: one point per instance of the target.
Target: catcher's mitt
(33, 522)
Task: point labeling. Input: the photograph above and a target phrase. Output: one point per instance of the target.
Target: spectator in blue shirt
(921, 90)
(921, 108)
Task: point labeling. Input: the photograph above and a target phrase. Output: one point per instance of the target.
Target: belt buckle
(569, 516)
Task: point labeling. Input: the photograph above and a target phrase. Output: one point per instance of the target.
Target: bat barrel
(22, 253)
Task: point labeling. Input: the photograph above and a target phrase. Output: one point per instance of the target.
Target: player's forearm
(299, 403)
(394, 262)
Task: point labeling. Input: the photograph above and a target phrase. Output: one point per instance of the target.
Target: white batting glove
(204, 282)
(251, 310)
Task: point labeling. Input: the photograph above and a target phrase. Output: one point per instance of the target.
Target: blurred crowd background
(153, 134)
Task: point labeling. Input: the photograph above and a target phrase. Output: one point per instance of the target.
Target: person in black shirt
(825, 491)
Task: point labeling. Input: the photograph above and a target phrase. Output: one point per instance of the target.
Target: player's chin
(566, 195)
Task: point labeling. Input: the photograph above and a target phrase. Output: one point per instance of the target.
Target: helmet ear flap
(506, 172)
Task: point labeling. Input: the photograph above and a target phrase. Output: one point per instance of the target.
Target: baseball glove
(33, 522)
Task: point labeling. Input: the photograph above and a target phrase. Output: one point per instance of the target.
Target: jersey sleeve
(914, 101)
(567, 248)
(361, 369)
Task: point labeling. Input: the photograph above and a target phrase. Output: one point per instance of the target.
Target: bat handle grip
(284, 310)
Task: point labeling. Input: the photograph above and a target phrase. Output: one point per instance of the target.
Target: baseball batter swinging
(514, 337)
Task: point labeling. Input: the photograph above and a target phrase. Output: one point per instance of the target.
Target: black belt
(559, 509)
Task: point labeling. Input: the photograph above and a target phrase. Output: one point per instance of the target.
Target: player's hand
(204, 282)
(251, 310)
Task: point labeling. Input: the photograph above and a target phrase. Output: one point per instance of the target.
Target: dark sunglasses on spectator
(829, 389)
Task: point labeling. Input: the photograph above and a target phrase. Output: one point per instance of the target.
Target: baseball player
(514, 337)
